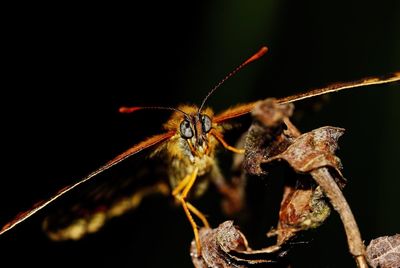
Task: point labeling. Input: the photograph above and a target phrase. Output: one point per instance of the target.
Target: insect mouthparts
(200, 142)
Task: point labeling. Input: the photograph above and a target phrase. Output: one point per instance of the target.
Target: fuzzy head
(193, 128)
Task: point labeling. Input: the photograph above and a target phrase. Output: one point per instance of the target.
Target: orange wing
(374, 80)
(133, 150)
(246, 108)
(234, 112)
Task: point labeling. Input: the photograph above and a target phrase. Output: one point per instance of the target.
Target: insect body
(190, 152)
(188, 146)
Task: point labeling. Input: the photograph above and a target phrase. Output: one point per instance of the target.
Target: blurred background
(69, 68)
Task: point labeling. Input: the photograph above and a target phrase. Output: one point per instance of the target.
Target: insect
(189, 144)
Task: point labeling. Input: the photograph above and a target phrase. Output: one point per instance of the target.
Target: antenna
(256, 56)
(127, 110)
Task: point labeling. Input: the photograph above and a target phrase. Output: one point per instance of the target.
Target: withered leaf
(266, 136)
(302, 208)
(225, 246)
(270, 113)
(312, 150)
(384, 252)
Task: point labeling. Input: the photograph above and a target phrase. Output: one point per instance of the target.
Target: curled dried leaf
(267, 136)
(303, 207)
(384, 252)
(312, 150)
(270, 113)
(225, 246)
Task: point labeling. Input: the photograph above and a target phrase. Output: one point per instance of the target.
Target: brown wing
(374, 80)
(234, 112)
(246, 108)
(89, 209)
(133, 150)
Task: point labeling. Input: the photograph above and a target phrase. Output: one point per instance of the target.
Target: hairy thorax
(183, 162)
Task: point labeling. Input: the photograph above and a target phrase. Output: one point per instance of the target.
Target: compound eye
(205, 123)
(186, 130)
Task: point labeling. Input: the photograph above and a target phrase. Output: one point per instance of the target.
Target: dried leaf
(384, 252)
(303, 207)
(270, 113)
(266, 136)
(225, 246)
(312, 150)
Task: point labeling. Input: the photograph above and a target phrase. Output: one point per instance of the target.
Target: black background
(68, 68)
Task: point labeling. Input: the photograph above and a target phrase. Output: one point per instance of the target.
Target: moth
(188, 146)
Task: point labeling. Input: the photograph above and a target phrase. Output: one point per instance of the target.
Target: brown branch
(339, 203)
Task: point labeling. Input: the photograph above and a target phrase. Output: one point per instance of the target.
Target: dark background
(69, 68)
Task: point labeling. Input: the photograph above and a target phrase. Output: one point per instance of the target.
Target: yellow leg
(219, 137)
(189, 184)
(194, 226)
(182, 184)
(199, 215)
(180, 193)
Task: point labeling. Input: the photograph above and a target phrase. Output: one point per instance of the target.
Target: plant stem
(339, 203)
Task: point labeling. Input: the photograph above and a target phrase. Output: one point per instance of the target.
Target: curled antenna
(256, 56)
(127, 110)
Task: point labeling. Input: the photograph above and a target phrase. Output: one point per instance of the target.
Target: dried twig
(339, 203)
(312, 153)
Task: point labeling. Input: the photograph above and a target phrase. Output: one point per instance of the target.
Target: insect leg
(200, 215)
(220, 138)
(194, 226)
(180, 193)
(182, 184)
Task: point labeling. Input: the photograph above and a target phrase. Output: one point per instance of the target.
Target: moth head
(194, 127)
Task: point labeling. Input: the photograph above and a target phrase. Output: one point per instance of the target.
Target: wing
(133, 150)
(234, 112)
(374, 80)
(111, 195)
(246, 108)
